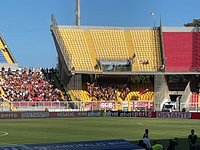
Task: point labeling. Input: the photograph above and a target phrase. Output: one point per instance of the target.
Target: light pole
(154, 21)
(78, 13)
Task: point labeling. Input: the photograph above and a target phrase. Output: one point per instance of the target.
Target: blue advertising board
(119, 144)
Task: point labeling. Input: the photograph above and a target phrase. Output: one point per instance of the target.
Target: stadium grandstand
(129, 68)
(29, 89)
(23, 89)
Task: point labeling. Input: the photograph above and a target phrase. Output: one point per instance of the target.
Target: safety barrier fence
(64, 106)
(77, 106)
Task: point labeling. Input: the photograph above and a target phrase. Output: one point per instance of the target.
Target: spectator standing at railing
(172, 144)
(146, 139)
(147, 142)
(192, 138)
(146, 133)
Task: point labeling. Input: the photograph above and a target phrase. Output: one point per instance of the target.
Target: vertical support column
(161, 91)
(77, 12)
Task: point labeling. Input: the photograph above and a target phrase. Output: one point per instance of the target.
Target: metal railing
(66, 56)
(76, 106)
(62, 106)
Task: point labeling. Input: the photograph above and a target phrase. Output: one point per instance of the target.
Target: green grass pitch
(29, 131)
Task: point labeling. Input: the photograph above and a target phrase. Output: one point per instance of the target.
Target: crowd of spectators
(117, 91)
(107, 92)
(27, 85)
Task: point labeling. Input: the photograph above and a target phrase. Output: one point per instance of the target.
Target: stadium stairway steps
(8, 106)
(2, 92)
(129, 43)
(91, 47)
(199, 101)
(5, 53)
(131, 51)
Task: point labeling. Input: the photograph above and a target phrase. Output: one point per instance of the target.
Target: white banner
(185, 115)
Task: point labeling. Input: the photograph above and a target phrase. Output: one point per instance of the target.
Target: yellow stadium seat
(110, 44)
(76, 45)
(146, 47)
(79, 95)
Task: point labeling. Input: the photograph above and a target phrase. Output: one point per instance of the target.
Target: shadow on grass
(182, 143)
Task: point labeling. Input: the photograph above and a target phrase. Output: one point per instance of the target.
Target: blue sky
(25, 23)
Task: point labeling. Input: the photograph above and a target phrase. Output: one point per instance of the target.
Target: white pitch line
(3, 133)
(140, 124)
